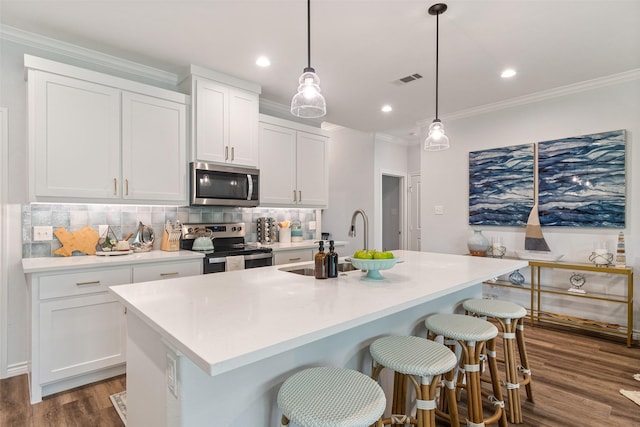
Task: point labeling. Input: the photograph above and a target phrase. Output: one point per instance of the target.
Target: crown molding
(272, 108)
(390, 139)
(99, 59)
(587, 85)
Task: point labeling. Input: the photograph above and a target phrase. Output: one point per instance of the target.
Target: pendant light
(308, 102)
(437, 140)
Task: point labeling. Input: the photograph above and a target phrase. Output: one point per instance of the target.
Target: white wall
(445, 174)
(351, 177)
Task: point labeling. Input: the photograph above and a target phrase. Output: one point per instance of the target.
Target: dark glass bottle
(321, 262)
(332, 261)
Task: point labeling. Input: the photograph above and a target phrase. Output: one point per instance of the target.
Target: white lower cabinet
(78, 329)
(288, 257)
(147, 273)
(80, 335)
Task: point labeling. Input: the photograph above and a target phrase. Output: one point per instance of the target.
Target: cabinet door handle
(175, 273)
(115, 186)
(300, 196)
(295, 259)
(95, 282)
(126, 184)
(294, 196)
(233, 153)
(226, 153)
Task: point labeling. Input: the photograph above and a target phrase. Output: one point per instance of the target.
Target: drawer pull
(295, 259)
(95, 282)
(175, 273)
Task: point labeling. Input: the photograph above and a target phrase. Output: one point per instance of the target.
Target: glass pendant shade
(308, 102)
(437, 140)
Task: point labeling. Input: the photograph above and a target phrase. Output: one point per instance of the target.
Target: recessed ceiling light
(508, 73)
(386, 108)
(263, 61)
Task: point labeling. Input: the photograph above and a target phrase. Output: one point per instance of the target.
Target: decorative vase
(478, 244)
(516, 278)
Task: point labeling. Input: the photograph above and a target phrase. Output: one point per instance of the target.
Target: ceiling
(359, 48)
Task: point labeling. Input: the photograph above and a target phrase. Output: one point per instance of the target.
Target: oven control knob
(233, 229)
(239, 228)
(190, 230)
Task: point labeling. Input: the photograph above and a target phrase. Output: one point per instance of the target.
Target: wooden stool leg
(522, 350)
(495, 382)
(399, 405)
(511, 371)
(474, 390)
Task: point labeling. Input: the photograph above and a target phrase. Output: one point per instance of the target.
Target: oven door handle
(250, 189)
(246, 257)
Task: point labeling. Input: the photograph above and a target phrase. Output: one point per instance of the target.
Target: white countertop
(50, 264)
(227, 320)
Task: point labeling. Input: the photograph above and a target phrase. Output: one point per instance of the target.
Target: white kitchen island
(235, 337)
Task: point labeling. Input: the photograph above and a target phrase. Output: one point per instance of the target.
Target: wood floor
(576, 381)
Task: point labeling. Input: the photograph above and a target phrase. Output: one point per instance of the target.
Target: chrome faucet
(352, 231)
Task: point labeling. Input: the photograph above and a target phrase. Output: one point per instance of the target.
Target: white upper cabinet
(94, 137)
(75, 130)
(293, 164)
(153, 133)
(225, 118)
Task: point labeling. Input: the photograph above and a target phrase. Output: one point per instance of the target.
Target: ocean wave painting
(582, 181)
(501, 185)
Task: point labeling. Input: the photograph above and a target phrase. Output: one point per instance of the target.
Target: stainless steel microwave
(222, 185)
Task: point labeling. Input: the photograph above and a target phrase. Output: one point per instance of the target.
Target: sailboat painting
(582, 181)
(501, 185)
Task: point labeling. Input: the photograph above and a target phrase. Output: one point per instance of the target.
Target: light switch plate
(172, 374)
(438, 210)
(42, 233)
(312, 225)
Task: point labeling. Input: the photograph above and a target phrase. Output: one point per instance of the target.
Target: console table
(537, 289)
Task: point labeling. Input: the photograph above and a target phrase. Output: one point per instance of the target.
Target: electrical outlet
(438, 210)
(172, 374)
(102, 229)
(42, 233)
(312, 225)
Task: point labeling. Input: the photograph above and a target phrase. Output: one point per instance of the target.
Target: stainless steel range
(228, 241)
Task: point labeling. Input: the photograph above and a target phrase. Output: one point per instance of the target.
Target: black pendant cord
(437, 56)
(309, 33)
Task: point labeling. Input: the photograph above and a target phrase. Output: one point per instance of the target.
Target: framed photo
(501, 185)
(582, 181)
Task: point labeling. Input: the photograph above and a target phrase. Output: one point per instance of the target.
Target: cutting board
(83, 240)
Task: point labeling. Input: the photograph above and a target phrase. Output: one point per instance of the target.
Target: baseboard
(17, 369)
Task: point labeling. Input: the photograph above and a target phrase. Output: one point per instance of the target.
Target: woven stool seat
(331, 397)
(494, 308)
(413, 355)
(461, 327)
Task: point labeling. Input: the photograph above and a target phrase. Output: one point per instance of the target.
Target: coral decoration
(83, 240)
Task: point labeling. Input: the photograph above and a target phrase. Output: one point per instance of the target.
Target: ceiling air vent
(410, 78)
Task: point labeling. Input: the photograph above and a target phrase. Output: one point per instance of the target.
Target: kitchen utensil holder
(169, 242)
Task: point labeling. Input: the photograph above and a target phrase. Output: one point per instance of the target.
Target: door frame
(4, 277)
(402, 208)
(409, 208)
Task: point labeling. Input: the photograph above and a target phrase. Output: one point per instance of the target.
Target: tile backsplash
(124, 219)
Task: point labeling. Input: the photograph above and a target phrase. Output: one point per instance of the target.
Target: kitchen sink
(309, 269)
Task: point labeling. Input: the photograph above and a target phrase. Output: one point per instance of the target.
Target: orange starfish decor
(83, 240)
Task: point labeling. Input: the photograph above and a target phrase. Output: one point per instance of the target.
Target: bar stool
(472, 335)
(509, 316)
(415, 356)
(331, 397)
